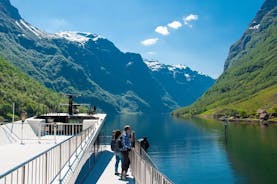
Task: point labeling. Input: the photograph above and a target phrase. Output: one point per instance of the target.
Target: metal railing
(144, 170)
(54, 163)
(42, 131)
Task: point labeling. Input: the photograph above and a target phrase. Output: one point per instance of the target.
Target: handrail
(24, 163)
(47, 160)
(143, 154)
(141, 161)
(144, 170)
(41, 130)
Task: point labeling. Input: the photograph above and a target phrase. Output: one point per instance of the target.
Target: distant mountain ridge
(91, 65)
(180, 81)
(249, 81)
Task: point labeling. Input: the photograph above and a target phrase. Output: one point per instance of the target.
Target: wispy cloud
(56, 25)
(151, 53)
(190, 18)
(162, 30)
(175, 25)
(150, 41)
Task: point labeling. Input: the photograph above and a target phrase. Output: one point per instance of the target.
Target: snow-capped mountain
(91, 65)
(183, 70)
(179, 80)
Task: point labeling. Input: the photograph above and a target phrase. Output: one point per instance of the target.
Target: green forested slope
(27, 94)
(249, 81)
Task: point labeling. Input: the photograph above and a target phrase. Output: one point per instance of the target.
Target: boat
(67, 148)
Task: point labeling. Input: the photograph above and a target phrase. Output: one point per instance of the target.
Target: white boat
(66, 148)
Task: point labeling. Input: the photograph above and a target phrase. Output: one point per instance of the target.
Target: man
(126, 141)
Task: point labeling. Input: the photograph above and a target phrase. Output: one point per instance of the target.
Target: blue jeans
(118, 158)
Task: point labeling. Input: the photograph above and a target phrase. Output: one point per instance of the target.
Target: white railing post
(69, 154)
(60, 164)
(23, 175)
(22, 132)
(39, 132)
(46, 173)
(13, 112)
(76, 146)
(55, 132)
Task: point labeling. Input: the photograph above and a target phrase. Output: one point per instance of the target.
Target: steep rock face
(8, 9)
(254, 34)
(249, 81)
(84, 63)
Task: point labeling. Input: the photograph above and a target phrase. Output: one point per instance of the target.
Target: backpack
(116, 145)
(113, 145)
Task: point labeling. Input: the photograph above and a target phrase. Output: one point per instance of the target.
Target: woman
(116, 146)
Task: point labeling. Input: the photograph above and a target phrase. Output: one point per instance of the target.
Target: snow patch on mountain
(176, 66)
(187, 77)
(73, 36)
(255, 27)
(129, 63)
(175, 69)
(97, 37)
(154, 65)
(201, 73)
(79, 37)
(24, 25)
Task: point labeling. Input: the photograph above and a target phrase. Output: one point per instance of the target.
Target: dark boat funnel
(70, 104)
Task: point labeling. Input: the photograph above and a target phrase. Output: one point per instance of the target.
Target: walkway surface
(12, 155)
(103, 172)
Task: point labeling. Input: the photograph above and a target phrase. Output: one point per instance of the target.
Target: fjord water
(197, 151)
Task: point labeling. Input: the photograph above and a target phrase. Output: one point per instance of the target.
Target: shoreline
(241, 121)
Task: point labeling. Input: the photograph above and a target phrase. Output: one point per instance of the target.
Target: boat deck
(103, 172)
(12, 155)
(16, 152)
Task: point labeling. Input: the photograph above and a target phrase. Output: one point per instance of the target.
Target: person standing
(126, 147)
(116, 146)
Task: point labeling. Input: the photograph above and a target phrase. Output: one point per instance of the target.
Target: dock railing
(52, 165)
(144, 170)
(38, 131)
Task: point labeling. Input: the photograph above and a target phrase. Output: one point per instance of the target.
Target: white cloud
(151, 53)
(162, 30)
(150, 41)
(54, 25)
(175, 25)
(190, 18)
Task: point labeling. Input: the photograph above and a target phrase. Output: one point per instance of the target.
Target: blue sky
(207, 30)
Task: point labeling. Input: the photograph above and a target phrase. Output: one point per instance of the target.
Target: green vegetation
(27, 94)
(250, 79)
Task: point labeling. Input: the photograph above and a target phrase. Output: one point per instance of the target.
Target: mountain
(180, 81)
(249, 81)
(87, 64)
(27, 94)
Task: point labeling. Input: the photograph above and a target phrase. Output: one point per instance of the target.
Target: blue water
(196, 151)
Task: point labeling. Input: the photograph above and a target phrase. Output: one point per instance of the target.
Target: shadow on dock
(101, 163)
(103, 171)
